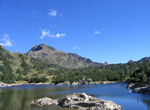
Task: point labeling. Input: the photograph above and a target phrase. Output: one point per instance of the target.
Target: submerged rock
(45, 101)
(81, 101)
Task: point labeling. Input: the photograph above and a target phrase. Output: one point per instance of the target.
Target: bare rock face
(83, 101)
(44, 101)
(66, 60)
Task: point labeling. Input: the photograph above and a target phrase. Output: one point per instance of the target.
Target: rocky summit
(80, 101)
(62, 59)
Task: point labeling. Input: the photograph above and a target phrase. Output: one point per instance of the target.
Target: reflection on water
(19, 97)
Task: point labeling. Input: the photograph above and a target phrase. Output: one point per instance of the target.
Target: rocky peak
(42, 47)
(130, 61)
(62, 59)
(86, 60)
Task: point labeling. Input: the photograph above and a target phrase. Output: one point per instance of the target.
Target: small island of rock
(81, 101)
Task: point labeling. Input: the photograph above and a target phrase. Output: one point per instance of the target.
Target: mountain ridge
(142, 60)
(60, 58)
(20, 67)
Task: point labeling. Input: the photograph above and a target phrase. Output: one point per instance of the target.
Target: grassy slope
(22, 67)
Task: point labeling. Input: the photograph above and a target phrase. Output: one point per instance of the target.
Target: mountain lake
(20, 97)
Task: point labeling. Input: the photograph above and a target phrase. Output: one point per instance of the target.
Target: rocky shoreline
(81, 101)
(139, 88)
(4, 85)
(84, 81)
(81, 82)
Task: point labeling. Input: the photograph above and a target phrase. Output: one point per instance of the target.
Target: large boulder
(45, 101)
(83, 101)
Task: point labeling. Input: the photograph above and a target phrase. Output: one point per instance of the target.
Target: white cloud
(97, 32)
(76, 48)
(6, 41)
(46, 33)
(60, 35)
(52, 13)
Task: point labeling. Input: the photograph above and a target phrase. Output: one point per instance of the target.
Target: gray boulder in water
(45, 101)
(81, 101)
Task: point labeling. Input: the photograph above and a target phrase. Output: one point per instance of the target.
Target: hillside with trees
(20, 67)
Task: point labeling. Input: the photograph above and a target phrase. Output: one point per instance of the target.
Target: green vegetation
(19, 67)
(132, 72)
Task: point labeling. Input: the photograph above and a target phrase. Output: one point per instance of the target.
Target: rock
(130, 86)
(52, 83)
(65, 83)
(84, 81)
(74, 83)
(144, 90)
(139, 88)
(45, 101)
(3, 84)
(135, 85)
(80, 82)
(83, 101)
(62, 59)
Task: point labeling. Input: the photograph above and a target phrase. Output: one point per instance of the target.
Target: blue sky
(102, 30)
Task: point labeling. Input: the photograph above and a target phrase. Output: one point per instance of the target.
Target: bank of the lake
(139, 88)
(19, 97)
(93, 83)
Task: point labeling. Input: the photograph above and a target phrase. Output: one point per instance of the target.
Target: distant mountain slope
(42, 67)
(145, 59)
(17, 66)
(62, 59)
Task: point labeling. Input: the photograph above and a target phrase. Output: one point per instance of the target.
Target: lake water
(20, 97)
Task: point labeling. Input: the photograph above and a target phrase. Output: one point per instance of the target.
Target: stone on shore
(135, 85)
(3, 84)
(144, 90)
(139, 88)
(45, 101)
